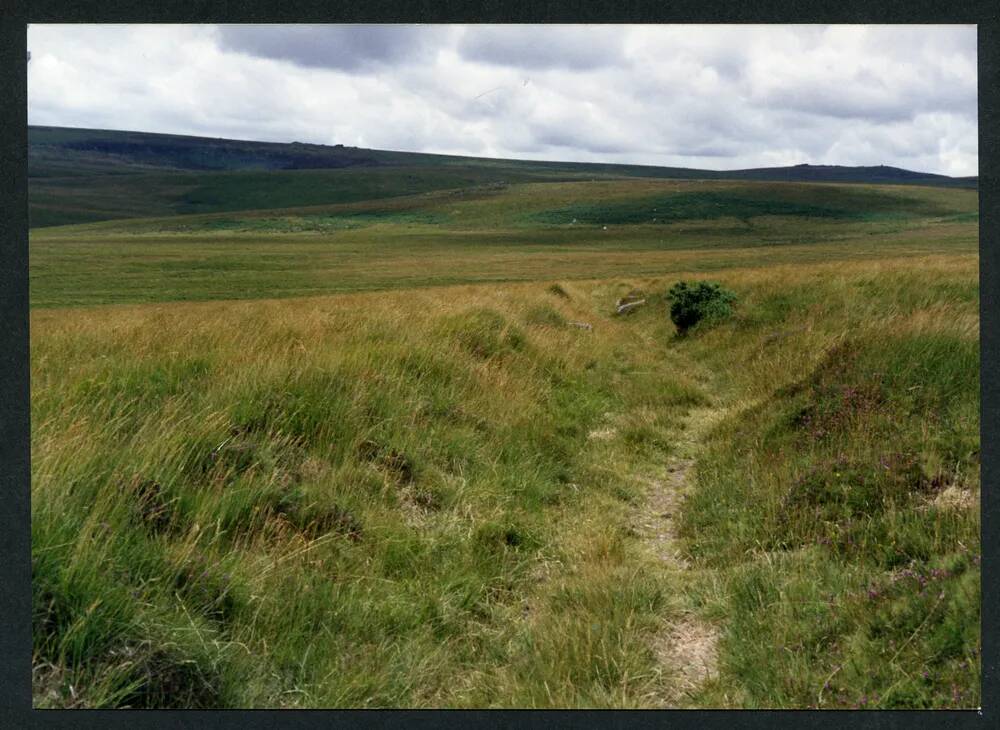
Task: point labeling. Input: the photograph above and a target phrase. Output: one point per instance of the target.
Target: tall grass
(840, 498)
(341, 502)
(393, 499)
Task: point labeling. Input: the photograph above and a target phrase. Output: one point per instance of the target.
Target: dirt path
(686, 646)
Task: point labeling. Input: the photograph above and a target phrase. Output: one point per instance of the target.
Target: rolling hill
(86, 175)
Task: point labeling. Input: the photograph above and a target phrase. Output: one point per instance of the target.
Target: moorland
(326, 427)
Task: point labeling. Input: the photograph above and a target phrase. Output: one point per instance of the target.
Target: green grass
(342, 455)
(748, 203)
(256, 497)
(81, 175)
(481, 235)
(234, 502)
(78, 199)
(828, 502)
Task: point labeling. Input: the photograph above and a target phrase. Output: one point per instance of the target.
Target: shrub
(692, 303)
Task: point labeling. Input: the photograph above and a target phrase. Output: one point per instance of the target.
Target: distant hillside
(58, 150)
(875, 174)
(84, 175)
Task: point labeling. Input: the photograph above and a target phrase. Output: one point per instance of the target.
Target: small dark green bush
(703, 300)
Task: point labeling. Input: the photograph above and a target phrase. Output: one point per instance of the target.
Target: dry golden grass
(390, 498)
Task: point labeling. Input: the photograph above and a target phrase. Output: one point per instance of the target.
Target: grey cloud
(543, 47)
(869, 101)
(890, 74)
(346, 47)
(710, 150)
(729, 61)
(527, 145)
(729, 66)
(573, 139)
(902, 97)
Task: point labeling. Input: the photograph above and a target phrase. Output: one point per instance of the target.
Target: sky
(705, 96)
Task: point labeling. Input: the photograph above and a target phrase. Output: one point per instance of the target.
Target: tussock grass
(398, 498)
(848, 581)
(361, 501)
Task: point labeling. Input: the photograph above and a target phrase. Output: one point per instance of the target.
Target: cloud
(721, 97)
(544, 46)
(867, 73)
(347, 47)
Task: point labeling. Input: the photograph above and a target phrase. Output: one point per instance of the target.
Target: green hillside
(82, 175)
(488, 233)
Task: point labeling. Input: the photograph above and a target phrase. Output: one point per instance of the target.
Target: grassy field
(360, 455)
(86, 175)
(493, 234)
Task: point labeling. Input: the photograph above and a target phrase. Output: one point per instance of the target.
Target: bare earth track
(686, 646)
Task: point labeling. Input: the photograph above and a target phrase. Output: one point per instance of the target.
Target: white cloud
(719, 97)
(544, 46)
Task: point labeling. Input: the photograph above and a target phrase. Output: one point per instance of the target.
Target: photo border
(15, 568)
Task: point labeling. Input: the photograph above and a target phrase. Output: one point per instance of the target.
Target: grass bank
(839, 500)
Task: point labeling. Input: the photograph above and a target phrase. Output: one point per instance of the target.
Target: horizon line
(514, 159)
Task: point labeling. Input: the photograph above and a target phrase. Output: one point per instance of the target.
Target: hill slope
(512, 232)
(86, 175)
